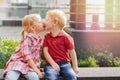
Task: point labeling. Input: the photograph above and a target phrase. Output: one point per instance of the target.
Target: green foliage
(83, 63)
(82, 54)
(89, 62)
(7, 47)
(2, 59)
(105, 59)
(97, 56)
(117, 62)
(92, 62)
(42, 63)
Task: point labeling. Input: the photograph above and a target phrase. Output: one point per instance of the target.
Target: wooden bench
(88, 73)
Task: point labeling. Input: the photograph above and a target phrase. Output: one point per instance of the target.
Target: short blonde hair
(27, 22)
(59, 16)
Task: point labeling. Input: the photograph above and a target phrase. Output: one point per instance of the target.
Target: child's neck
(36, 34)
(55, 32)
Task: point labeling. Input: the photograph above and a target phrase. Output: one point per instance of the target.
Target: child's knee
(12, 75)
(32, 76)
(51, 75)
(70, 75)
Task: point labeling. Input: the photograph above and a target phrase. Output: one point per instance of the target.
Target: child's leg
(50, 73)
(31, 76)
(12, 75)
(67, 71)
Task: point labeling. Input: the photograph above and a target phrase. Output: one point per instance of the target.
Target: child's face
(39, 25)
(49, 23)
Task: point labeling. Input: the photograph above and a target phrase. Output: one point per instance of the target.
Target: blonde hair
(27, 22)
(59, 16)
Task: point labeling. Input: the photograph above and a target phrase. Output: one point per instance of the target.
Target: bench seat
(91, 73)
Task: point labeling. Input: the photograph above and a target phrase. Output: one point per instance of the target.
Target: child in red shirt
(26, 58)
(58, 45)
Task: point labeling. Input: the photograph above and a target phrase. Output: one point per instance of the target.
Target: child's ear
(55, 21)
(32, 27)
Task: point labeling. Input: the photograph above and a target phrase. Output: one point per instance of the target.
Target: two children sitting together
(58, 49)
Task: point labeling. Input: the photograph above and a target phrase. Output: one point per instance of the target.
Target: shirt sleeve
(69, 42)
(26, 49)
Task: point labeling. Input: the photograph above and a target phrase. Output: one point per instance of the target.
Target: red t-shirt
(58, 46)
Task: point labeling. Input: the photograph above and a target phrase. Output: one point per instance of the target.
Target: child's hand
(56, 67)
(40, 75)
(76, 70)
(42, 69)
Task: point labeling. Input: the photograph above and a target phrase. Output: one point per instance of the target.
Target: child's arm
(74, 60)
(50, 60)
(34, 67)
